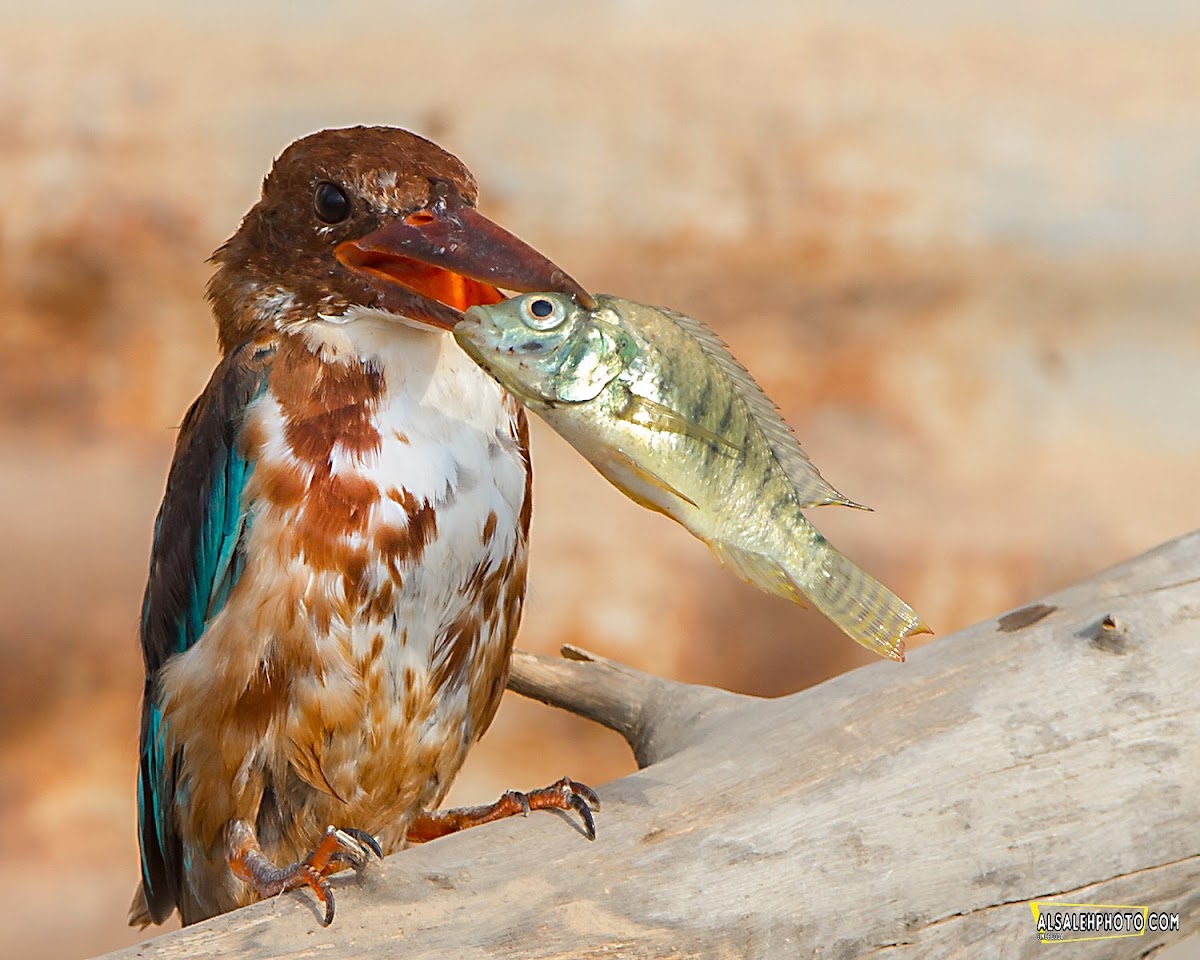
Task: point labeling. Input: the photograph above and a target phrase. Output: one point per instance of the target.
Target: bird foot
(338, 848)
(564, 794)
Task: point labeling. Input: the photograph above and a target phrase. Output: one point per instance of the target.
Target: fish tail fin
(854, 601)
(858, 604)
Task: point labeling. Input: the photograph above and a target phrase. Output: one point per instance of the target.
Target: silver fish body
(662, 409)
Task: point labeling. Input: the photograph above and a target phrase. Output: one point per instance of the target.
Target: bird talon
(324, 893)
(520, 799)
(367, 838)
(356, 848)
(574, 788)
(568, 794)
(582, 799)
(580, 805)
(588, 794)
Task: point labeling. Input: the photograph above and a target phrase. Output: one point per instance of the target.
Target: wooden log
(897, 811)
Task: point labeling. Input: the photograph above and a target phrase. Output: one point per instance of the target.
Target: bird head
(368, 217)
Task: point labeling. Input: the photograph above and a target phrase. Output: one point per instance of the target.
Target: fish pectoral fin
(647, 477)
(649, 413)
(757, 570)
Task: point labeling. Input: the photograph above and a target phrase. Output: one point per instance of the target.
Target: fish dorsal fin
(812, 489)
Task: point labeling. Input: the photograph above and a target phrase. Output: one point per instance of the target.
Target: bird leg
(565, 794)
(337, 848)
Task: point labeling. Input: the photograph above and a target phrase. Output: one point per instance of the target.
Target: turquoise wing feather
(197, 558)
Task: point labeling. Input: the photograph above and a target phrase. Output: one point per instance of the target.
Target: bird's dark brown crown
(279, 268)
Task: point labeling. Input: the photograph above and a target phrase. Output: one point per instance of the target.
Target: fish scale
(658, 404)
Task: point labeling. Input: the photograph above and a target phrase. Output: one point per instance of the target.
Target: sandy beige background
(961, 251)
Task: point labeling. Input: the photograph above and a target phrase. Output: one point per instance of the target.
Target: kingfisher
(338, 565)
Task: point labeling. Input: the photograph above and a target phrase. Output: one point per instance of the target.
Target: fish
(662, 409)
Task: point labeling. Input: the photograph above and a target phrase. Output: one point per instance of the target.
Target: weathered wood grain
(898, 811)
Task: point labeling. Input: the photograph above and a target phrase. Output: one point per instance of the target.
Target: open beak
(437, 262)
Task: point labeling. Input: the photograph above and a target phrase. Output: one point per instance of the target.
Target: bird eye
(542, 313)
(331, 203)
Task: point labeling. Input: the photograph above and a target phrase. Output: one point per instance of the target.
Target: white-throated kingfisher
(339, 561)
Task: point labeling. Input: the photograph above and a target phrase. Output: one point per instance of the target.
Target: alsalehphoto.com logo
(1070, 922)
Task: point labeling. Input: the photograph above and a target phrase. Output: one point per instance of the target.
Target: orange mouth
(423, 279)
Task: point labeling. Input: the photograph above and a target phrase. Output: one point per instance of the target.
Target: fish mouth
(439, 261)
(468, 333)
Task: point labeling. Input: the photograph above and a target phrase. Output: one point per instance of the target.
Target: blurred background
(961, 249)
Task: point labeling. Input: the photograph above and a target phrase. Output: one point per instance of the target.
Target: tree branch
(657, 717)
(898, 811)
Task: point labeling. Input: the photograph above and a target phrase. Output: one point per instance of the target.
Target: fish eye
(542, 313)
(330, 203)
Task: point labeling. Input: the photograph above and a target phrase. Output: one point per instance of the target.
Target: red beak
(437, 262)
